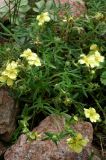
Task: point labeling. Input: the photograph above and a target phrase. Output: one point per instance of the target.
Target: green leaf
(35, 9)
(40, 4)
(49, 4)
(24, 9)
(23, 2)
(25, 130)
(31, 135)
(103, 78)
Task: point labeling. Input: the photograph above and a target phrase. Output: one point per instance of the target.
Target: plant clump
(56, 64)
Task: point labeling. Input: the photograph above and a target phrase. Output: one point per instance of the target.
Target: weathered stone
(47, 150)
(2, 3)
(77, 6)
(8, 111)
(2, 148)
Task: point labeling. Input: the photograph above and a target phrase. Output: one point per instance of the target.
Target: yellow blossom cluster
(77, 143)
(98, 16)
(91, 114)
(42, 18)
(31, 57)
(93, 59)
(94, 47)
(9, 75)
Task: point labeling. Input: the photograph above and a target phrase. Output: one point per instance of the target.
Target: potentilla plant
(59, 65)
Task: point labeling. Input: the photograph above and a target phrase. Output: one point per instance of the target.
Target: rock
(2, 3)
(77, 6)
(8, 112)
(47, 150)
(2, 148)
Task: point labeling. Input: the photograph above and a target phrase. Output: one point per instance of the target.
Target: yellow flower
(98, 57)
(42, 18)
(7, 80)
(11, 70)
(91, 114)
(95, 50)
(13, 64)
(88, 60)
(98, 16)
(94, 47)
(3, 79)
(77, 143)
(10, 73)
(84, 59)
(31, 57)
(93, 59)
(27, 53)
(34, 60)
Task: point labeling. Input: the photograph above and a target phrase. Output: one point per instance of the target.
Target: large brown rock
(47, 150)
(8, 112)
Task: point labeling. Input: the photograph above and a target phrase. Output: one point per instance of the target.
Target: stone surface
(8, 111)
(47, 150)
(2, 3)
(77, 6)
(2, 148)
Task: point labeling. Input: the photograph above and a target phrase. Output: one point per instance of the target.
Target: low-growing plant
(57, 63)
